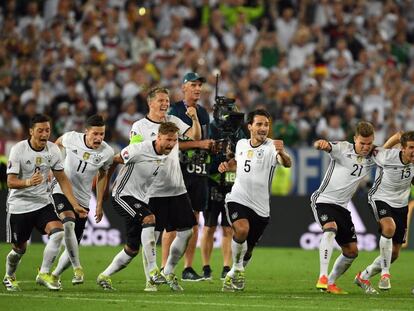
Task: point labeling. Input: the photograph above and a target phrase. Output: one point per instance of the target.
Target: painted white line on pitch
(42, 296)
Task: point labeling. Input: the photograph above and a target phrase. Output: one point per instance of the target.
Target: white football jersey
(142, 165)
(169, 181)
(82, 164)
(392, 178)
(255, 168)
(343, 175)
(24, 161)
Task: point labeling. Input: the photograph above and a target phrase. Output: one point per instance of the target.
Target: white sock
(51, 251)
(157, 236)
(385, 245)
(325, 251)
(372, 269)
(120, 261)
(238, 251)
(145, 265)
(71, 242)
(63, 264)
(341, 264)
(177, 249)
(148, 247)
(12, 261)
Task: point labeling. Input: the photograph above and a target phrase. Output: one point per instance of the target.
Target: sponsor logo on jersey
(39, 160)
(86, 156)
(28, 162)
(250, 154)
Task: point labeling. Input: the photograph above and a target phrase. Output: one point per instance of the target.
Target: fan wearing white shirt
(248, 205)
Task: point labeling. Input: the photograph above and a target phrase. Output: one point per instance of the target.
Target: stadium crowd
(317, 66)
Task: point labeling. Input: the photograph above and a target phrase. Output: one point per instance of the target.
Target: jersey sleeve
(67, 138)
(380, 155)
(182, 126)
(337, 148)
(136, 135)
(57, 163)
(13, 165)
(131, 153)
(238, 146)
(107, 164)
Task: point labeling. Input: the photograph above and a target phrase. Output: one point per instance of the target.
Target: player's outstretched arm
(393, 140)
(283, 156)
(100, 190)
(205, 144)
(68, 192)
(322, 144)
(195, 131)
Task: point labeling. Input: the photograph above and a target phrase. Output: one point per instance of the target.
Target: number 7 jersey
(345, 171)
(254, 175)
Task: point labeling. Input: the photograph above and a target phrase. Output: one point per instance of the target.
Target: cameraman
(194, 160)
(225, 134)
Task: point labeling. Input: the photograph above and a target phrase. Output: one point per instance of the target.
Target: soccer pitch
(276, 279)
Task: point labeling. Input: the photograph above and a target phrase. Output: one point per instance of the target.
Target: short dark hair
(95, 120)
(257, 112)
(406, 137)
(168, 128)
(38, 118)
(364, 129)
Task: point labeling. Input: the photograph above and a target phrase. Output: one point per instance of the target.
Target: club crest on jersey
(97, 158)
(250, 154)
(86, 156)
(48, 158)
(39, 160)
(324, 217)
(260, 153)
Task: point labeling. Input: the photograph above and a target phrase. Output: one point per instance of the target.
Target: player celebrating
(169, 198)
(255, 162)
(388, 198)
(350, 163)
(143, 163)
(29, 204)
(86, 155)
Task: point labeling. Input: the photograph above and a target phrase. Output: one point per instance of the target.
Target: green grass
(276, 279)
